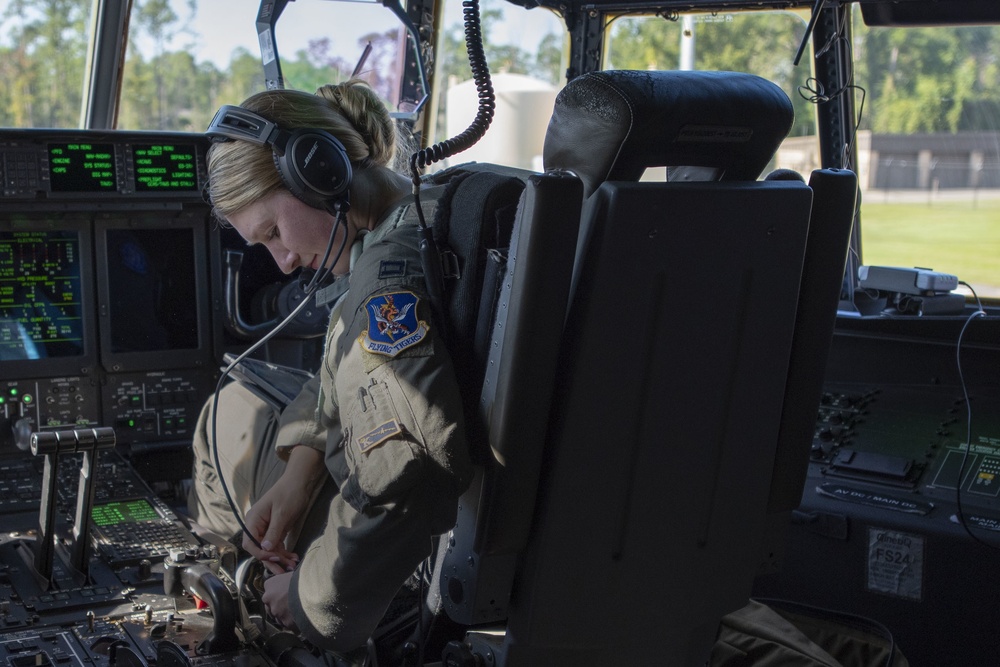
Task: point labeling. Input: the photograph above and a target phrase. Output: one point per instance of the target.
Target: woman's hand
(279, 510)
(276, 600)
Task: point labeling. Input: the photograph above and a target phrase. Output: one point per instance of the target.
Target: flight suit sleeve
(349, 576)
(299, 423)
(404, 445)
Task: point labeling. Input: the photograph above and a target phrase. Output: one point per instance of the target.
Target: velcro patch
(379, 434)
(391, 268)
(392, 324)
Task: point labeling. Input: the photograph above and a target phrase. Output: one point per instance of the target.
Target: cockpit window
(761, 43)
(929, 149)
(184, 58)
(526, 54)
(43, 52)
(187, 58)
(927, 135)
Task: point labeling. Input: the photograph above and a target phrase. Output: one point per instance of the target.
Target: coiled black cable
(484, 89)
(429, 257)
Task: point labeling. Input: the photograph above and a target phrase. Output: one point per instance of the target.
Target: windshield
(43, 47)
(761, 43)
(927, 137)
(928, 123)
(185, 58)
(188, 58)
(929, 149)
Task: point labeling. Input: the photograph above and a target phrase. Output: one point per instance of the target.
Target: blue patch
(392, 324)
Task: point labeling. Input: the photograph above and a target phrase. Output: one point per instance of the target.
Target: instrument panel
(110, 322)
(106, 286)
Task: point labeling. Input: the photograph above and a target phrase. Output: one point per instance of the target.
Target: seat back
(663, 431)
(495, 512)
(636, 381)
(472, 227)
(835, 194)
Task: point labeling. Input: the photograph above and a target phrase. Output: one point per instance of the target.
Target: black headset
(312, 163)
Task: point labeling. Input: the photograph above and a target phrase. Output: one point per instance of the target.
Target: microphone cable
(339, 209)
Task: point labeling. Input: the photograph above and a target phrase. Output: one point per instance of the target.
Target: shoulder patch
(392, 324)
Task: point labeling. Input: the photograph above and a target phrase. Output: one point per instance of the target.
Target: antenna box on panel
(905, 280)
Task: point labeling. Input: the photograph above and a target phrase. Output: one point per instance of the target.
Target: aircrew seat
(654, 345)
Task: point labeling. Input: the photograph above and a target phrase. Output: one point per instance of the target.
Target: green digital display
(127, 511)
(82, 167)
(41, 295)
(165, 168)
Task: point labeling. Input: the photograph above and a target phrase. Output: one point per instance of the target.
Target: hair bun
(366, 112)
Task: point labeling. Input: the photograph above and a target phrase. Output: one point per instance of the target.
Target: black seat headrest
(612, 125)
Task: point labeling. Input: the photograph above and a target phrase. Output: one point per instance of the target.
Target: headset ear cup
(314, 167)
(294, 186)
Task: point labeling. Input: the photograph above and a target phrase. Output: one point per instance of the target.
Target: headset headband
(233, 122)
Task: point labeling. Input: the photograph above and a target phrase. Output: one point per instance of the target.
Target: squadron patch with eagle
(392, 325)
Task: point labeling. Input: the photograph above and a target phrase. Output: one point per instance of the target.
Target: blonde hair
(241, 173)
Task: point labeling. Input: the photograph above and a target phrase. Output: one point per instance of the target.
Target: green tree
(138, 94)
(454, 60)
(157, 22)
(763, 43)
(549, 62)
(243, 77)
(171, 90)
(313, 67)
(941, 79)
(645, 43)
(452, 64)
(42, 69)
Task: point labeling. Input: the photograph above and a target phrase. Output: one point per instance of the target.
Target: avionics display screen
(82, 167)
(41, 304)
(152, 289)
(126, 511)
(165, 168)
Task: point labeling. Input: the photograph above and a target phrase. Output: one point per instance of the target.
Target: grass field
(957, 237)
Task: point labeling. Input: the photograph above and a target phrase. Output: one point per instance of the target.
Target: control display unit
(165, 167)
(81, 164)
(82, 167)
(127, 531)
(124, 511)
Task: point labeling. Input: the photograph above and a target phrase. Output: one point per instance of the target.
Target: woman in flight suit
(343, 492)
